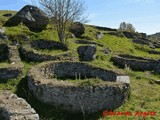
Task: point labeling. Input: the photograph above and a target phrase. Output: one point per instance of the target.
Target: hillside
(155, 35)
(144, 85)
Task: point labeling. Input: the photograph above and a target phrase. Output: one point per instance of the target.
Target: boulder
(2, 34)
(77, 29)
(99, 35)
(2, 30)
(87, 53)
(34, 18)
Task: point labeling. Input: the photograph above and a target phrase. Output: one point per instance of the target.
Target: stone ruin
(136, 63)
(15, 108)
(48, 84)
(29, 52)
(15, 66)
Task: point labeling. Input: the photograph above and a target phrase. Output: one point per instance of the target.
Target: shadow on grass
(49, 112)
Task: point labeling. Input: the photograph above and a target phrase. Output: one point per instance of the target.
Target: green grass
(4, 19)
(4, 64)
(82, 81)
(144, 97)
(117, 44)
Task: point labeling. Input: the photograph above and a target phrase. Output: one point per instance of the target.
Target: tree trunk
(61, 36)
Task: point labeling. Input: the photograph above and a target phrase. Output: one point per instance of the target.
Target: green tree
(63, 13)
(126, 27)
(123, 26)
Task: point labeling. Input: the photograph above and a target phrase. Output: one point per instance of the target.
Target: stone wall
(10, 72)
(72, 96)
(48, 44)
(30, 55)
(135, 63)
(15, 108)
(4, 52)
(15, 66)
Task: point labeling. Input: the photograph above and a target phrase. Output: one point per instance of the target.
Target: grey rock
(2, 34)
(77, 29)
(87, 53)
(34, 18)
(99, 35)
(14, 108)
(2, 30)
(124, 79)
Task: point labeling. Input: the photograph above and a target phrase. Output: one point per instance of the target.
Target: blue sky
(143, 14)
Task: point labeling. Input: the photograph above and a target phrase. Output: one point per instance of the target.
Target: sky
(144, 15)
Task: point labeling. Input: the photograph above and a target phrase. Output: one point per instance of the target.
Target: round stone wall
(110, 93)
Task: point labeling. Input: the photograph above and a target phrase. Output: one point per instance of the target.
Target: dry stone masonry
(136, 63)
(109, 94)
(15, 108)
(30, 52)
(31, 55)
(4, 52)
(15, 66)
(48, 44)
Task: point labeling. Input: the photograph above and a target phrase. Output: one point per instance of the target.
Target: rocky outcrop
(15, 108)
(87, 53)
(141, 41)
(77, 29)
(131, 34)
(99, 35)
(73, 96)
(34, 18)
(116, 33)
(135, 63)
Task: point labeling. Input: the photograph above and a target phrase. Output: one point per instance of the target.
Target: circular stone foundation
(48, 84)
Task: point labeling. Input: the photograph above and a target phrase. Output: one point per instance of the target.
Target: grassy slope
(144, 93)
